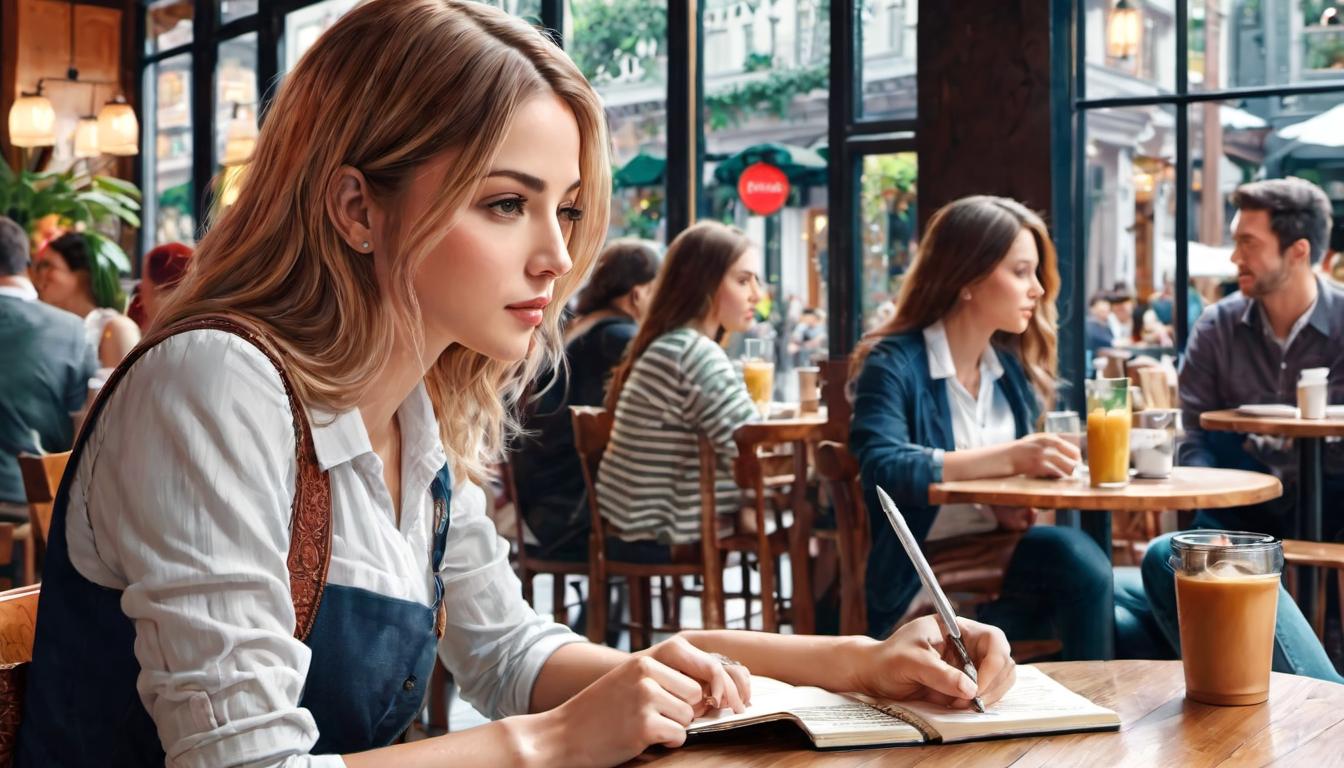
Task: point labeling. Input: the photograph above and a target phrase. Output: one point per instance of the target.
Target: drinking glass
(1108, 423)
(758, 373)
(1066, 425)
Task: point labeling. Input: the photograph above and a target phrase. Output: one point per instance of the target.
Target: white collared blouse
(182, 500)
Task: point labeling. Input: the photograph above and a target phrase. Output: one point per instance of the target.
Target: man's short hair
(1298, 210)
(13, 248)
(1097, 298)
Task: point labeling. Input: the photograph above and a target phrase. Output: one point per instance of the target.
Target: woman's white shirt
(985, 419)
(182, 500)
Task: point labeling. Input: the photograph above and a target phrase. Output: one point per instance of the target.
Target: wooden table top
(1232, 421)
(1301, 724)
(1186, 488)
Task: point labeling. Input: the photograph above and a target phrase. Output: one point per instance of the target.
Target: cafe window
(1176, 104)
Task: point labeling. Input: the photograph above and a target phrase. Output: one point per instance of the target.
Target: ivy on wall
(773, 94)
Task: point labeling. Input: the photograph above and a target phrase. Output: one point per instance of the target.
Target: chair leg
(558, 598)
(525, 576)
(769, 616)
(640, 637)
(599, 595)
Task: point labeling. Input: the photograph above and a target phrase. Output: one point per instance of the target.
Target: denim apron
(372, 655)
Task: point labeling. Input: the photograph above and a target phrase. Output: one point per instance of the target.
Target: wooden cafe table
(1302, 724)
(1185, 488)
(1309, 436)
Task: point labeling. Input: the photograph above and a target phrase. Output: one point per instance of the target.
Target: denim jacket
(901, 422)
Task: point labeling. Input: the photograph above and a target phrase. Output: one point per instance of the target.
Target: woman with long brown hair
(675, 383)
(950, 389)
(267, 537)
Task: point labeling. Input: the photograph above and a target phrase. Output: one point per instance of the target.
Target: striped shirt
(648, 486)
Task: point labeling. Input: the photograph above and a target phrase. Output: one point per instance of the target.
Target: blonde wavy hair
(392, 85)
(964, 242)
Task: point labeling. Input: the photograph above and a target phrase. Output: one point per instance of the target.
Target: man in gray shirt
(45, 373)
(1251, 346)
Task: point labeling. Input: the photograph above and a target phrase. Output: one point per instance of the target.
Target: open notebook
(1036, 704)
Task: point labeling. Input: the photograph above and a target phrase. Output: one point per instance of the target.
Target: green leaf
(121, 186)
(106, 250)
(106, 205)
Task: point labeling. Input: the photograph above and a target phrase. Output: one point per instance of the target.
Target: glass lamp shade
(1122, 31)
(86, 137)
(118, 129)
(32, 122)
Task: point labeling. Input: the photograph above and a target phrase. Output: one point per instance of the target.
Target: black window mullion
(553, 20)
(880, 126)
(1229, 94)
(270, 36)
(203, 59)
(843, 189)
(1065, 125)
(683, 83)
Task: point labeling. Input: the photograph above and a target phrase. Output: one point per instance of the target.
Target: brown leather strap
(310, 523)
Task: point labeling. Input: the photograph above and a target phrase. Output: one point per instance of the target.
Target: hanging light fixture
(86, 137)
(1122, 31)
(32, 121)
(241, 138)
(118, 130)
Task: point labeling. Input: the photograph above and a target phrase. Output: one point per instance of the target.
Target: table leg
(1097, 524)
(803, 606)
(1307, 524)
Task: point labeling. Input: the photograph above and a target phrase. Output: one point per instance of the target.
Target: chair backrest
(41, 479)
(834, 386)
(840, 472)
(18, 622)
(592, 432)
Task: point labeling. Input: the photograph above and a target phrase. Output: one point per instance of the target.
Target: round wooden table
(1301, 724)
(1186, 488)
(1309, 435)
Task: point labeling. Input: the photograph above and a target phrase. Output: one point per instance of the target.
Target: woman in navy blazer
(951, 389)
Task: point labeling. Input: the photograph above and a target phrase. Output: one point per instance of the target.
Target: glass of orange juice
(1108, 422)
(758, 373)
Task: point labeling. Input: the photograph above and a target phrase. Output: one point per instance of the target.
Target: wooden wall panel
(984, 101)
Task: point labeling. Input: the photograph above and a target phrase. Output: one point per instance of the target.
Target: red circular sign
(763, 188)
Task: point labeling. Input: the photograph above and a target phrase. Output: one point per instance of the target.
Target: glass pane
(169, 203)
(1267, 42)
(621, 47)
(888, 67)
(235, 9)
(304, 26)
(1129, 209)
(1130, 53)
(766, 76)
(1248, 144)
(167, 24)
(889, 216)
(235, 91)
(528, 9)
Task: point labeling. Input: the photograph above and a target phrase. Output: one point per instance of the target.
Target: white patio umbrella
(1323, 130)
(1202, 260)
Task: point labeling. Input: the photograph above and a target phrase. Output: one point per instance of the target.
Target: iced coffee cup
(1227, 592)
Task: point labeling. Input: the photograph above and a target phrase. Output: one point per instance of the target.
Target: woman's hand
(648, 699)
(1014, 518)
(917, 662)
(1043, 455)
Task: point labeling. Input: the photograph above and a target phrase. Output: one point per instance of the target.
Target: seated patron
(951, 389)
(1249, 349)
(676, 383)
(70, 275)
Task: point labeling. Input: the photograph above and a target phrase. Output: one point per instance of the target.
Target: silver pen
(940, 601)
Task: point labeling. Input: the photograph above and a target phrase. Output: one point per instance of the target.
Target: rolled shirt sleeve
(495, 644)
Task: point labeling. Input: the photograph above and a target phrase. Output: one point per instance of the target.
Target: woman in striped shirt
(675, 383)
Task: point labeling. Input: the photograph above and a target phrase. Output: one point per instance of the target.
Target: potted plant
(50, 202)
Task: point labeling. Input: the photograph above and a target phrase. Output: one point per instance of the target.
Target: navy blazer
(901, 415)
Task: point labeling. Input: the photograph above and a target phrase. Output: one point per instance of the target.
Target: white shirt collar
(940, 355)
(22, 292)
(341, 437)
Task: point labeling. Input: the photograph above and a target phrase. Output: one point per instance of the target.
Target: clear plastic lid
(1226, 553)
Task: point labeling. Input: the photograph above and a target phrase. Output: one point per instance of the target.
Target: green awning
(643, 170)
(804, 167)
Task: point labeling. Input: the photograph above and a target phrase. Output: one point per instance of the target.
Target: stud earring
(965, 295)
(364, 245)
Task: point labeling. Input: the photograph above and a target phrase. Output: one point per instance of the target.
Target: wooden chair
(970, 569)
(18, 623)
(1328, 559)
(704, 559)
(530, 567)
(754, 474)
(41, 479)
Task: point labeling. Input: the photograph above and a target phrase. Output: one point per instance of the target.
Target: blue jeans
(1058, 577)
(1296, 649)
